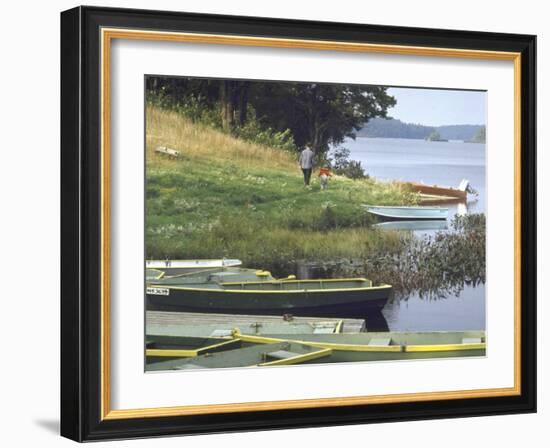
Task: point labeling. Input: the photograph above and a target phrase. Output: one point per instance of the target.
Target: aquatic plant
(435, 266)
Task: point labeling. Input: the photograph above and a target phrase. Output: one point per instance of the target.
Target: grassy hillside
(228, 198)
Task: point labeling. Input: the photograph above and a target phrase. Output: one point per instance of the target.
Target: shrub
(343, 165)
(252, 130)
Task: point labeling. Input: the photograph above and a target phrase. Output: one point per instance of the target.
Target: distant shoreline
(416, 139)
(392, 128)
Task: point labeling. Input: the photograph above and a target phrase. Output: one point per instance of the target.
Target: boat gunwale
(285, 281)
(191, 352)
(299, 358)
(159, 276)
(411, 348)
(227, 263)
(331, 345)
(407, 207)
(259, 291)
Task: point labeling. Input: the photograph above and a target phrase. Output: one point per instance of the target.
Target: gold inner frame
(107, 35)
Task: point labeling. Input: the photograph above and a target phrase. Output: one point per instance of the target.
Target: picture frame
(86, 177)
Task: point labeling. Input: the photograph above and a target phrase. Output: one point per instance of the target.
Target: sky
(435, 107)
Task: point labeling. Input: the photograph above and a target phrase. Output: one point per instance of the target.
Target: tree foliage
(320, 115)
(480, 136)
(341, 163)
(316, 114)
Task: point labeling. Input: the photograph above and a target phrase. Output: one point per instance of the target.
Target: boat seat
(471, 340)
(281, 354)
(189, 367)
(380, 341)
(324, 330)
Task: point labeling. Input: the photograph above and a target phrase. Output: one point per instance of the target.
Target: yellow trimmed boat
(381, 346)
(246, 291)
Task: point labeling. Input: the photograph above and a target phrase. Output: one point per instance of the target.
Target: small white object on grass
(168, 151)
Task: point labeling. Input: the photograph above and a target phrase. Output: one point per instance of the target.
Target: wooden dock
(176, 324)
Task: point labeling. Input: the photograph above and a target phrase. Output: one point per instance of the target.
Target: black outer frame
(81, 208)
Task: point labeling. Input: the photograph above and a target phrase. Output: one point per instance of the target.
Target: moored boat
(245, 291)
(266, 350)
(407, 213)
(162, 348)
(178, 267)
(425, 224)
(262, 355)
(380, 346)
(461, 192)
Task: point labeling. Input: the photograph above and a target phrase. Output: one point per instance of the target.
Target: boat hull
(423, 224)
(388, 213)
(438, 191)
(356, 303)
(386, 346)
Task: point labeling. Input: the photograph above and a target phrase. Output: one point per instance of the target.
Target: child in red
(324, 174)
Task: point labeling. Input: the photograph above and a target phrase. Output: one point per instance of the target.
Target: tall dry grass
(193, 140)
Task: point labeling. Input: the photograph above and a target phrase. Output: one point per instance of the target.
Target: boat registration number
(158, 291)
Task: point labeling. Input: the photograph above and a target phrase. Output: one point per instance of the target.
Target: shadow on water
(376, 322)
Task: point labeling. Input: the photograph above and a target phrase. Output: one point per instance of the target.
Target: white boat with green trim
(177, 267)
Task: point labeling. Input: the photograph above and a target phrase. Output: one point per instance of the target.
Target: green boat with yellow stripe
(246, 291)
(247, 350)
(383, 346)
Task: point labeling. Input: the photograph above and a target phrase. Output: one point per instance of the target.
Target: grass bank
(224, 197)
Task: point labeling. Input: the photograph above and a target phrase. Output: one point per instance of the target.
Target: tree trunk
(317, 136)
(242, 102)
(234, 101)
(227, 105)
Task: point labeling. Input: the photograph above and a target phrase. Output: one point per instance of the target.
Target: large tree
(319, 115)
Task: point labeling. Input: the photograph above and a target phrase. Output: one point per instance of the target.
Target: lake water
(439, 163)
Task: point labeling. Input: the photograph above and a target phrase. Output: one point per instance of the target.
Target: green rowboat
(246, 291)
(262, 355)
(383, 346)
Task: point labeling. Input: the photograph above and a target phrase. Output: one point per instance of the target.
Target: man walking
(306, 164)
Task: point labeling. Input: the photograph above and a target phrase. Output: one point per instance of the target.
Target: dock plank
(156, 320)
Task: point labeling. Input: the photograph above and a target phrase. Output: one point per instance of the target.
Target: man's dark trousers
(307, 175)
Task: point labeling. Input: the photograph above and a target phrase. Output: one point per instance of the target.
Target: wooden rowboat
(461, 192)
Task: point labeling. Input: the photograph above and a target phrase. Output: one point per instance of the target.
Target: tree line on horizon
(393, 128)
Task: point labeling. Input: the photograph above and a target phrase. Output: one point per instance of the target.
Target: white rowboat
(408, 213)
